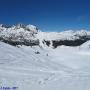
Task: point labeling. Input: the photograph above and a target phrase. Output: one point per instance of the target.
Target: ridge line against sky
(48, 15)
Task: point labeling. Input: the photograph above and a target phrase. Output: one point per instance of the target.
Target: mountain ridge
(30, 35)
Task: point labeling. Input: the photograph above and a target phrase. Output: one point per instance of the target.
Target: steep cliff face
(30, 35)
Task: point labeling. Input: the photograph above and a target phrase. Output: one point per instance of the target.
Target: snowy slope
(63, 68)
(86, 45)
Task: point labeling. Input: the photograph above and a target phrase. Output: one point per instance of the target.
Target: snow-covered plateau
(34, 60)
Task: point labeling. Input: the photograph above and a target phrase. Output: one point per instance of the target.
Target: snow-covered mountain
(30, 35)
(67, 38)
(41, 67)
(19, 34)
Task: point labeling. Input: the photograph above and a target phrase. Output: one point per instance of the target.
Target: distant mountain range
(30, 35)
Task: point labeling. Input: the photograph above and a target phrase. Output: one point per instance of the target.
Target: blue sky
(48, 15)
